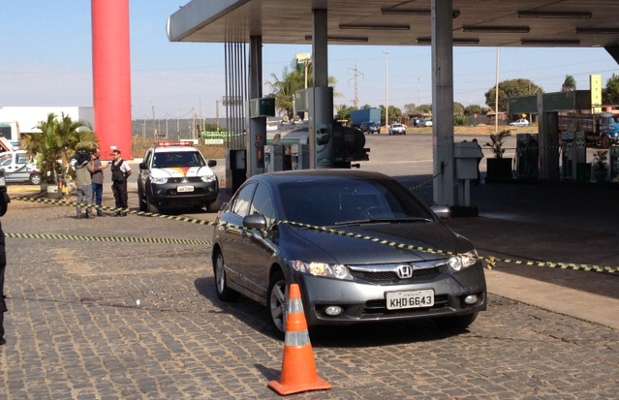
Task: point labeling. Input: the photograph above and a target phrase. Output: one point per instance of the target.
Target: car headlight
(208, 178)
(464, 260)
(158, 181)
(325, 270)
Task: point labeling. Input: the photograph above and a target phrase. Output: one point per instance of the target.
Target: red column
(111, 64)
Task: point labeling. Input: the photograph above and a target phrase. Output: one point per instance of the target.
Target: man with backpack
(120, 173)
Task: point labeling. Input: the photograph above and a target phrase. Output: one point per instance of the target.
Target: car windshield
(179, 159)
(5, 160)
(332, 201)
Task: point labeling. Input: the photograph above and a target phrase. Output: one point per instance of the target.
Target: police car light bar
(170, 144)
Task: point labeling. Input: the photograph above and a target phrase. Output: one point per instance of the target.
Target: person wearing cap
(120, 172)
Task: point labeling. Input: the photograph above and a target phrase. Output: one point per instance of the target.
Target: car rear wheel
(35, 179)
(457, 323)
(221, 287)
(277, 303)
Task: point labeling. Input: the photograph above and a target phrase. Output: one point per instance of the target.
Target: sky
(46, 60)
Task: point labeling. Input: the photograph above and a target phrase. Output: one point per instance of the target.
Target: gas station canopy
(571, 23)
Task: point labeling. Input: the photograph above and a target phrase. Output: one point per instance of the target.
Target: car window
(22, 159)
(263, 203)
(5, 160)
(243, 200)
(339, 199)
(178, 159)
(147, 158)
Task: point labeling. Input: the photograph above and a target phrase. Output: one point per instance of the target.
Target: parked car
(521, 123)
(344, 280)
(397, 129)
(175, 175)
(18, 168)
(426, 123)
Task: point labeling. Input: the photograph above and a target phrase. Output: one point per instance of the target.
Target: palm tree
(569, 84)
(291, 81)
(56, 144)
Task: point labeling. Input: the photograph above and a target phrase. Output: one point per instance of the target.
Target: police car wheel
(142, 202)
(223, 291)
(152, 208)
(35, 179)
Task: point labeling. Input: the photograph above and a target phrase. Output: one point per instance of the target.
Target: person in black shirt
(4, 201)
(120, 172)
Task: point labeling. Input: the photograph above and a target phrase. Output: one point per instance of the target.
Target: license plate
(410, 299)
(185, 189)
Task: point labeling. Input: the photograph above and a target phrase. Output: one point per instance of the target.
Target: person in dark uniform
(4, 201)
(120, 172)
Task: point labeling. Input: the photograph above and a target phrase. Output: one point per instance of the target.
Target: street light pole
(386, 53)
(496, 92)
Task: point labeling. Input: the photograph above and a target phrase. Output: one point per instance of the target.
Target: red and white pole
(111, 64)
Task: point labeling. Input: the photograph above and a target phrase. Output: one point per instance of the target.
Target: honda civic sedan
(344, 280)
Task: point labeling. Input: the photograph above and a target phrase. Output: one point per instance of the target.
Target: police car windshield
(179, 159)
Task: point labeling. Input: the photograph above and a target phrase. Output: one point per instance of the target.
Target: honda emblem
(404, 271)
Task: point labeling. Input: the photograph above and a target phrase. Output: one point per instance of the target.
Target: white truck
(10, 132)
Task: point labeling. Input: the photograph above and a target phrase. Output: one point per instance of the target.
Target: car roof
(174, 149)
(314, 174)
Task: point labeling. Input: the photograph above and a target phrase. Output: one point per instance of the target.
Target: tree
(410, 109)
(291, 81)
(458, 108)
(611, 94)
(344, 112)
(511, 88)
(395, 114)
(569, 84)
(58, 141)
(473, 109)
(424, 109)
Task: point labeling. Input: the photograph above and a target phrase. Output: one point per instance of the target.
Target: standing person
(120, 172)
(97, 181)
(83, 169)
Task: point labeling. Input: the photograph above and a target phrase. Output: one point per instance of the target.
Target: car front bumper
(168, 195)
(366, 302)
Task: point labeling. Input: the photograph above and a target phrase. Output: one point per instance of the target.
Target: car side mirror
(255, 221)
(441, 211)
(142, 165)
(211, 163)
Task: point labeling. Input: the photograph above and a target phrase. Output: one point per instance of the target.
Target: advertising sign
(596, 93)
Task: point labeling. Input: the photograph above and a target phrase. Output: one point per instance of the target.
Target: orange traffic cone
(299, 367)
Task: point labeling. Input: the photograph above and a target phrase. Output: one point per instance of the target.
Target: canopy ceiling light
(496, 29)
(598, 31)
(343, 38)
(550, 42)
(463, 41)
(375, 27)
(422, 12)
(555, 14)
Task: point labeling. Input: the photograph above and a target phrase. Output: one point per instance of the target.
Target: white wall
(29, 117)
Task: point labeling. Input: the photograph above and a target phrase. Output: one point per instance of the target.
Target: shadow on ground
(358, 335)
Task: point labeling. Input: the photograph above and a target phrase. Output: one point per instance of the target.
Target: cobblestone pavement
(132, 321)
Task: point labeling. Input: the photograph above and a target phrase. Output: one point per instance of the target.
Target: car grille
(180, 180)
(380, 306)
(390, 277)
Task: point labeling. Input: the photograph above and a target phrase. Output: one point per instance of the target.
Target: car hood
(345, 250)
(181, 172)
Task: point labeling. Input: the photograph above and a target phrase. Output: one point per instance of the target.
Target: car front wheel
(221, 287)
(277, 303)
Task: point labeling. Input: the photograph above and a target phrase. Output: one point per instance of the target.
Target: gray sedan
(344, 280)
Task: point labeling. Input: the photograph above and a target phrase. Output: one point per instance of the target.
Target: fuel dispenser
(274, 157)
(527, 155)
(299, 154)
(467, 155)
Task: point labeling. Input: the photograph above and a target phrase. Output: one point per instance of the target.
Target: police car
(176, 175)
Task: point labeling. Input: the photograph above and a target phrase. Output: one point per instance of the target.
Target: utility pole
(356, 74)
(144, 128)
(386, 53)
(496, 91)
(178, 128)
(166, 128)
